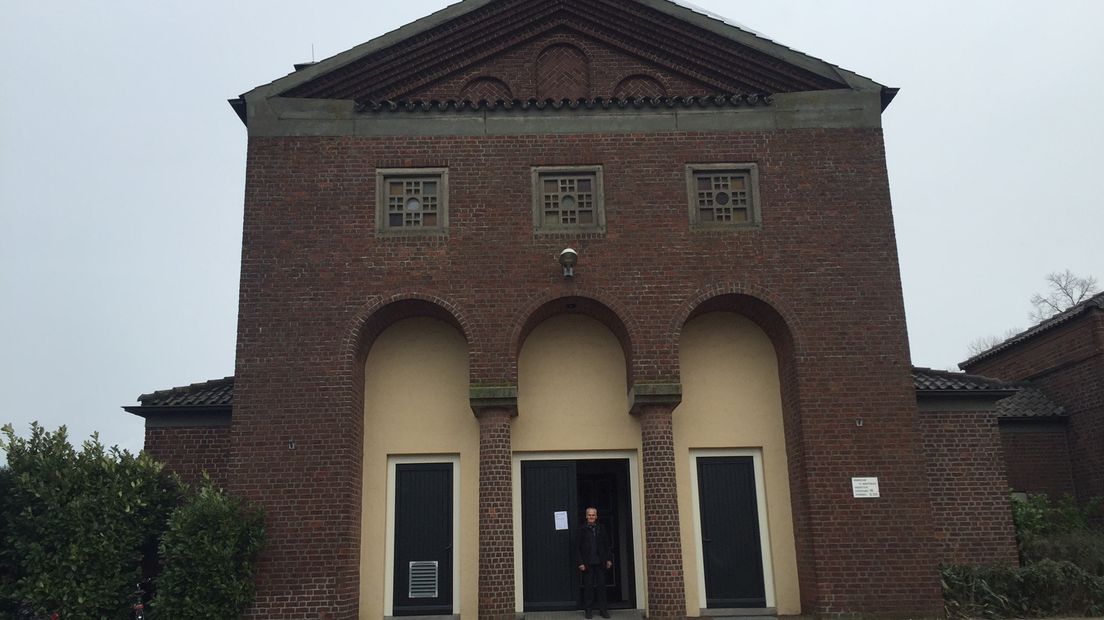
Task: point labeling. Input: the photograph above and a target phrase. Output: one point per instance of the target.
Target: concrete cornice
(833, 109)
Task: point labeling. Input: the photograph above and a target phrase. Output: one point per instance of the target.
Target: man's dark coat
(597, 541)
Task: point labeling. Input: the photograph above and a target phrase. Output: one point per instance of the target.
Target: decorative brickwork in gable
(452, 49)
(639, 86)
(563, 72)
(969, 491)
(486, 89)
(575, 67)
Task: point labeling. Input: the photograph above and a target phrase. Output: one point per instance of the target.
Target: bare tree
(983, 344)
(1067, 289)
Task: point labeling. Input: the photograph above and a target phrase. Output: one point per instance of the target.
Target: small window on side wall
(568, 199)
(412, 201)
(723, 196)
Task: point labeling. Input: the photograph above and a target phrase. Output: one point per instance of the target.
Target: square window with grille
(568, 199)
(412, 201)
(723, 195)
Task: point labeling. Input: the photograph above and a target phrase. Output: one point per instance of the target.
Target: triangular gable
(537, 49)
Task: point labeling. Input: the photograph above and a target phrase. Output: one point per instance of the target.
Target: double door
(554, 496)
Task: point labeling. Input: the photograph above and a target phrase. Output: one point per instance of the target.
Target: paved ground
(615, 614)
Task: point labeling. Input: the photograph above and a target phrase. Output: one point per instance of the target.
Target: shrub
(1060, 531)
(1037, 516)
(1042, 589)
(207, 556)
(74, 523)
(1083, 548)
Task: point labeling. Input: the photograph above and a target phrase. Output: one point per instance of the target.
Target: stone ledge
(654, 394)
(483, 398)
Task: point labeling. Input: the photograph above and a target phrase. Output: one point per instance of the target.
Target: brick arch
(753, 301)
(486, 88)
(785, 330)
(359, 335)
(562, 71)
(639, 86)
(383, 312)
(587, 304)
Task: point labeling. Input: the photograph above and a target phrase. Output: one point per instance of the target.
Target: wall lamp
(568, 259)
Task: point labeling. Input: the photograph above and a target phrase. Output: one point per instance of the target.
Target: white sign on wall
(561, 520)
(865, 487)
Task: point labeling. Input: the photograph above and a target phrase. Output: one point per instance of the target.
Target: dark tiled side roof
(216, 393)
(944, 381)
(1029, 402)
(597, 103)
(1021, 400)
(1096, 302)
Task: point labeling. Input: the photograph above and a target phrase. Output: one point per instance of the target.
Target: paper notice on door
(561, 520)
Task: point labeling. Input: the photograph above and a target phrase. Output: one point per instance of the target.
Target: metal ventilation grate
(423, 580)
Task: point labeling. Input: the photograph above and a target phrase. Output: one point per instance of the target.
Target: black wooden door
(548, 563)
(423, 539)
(730, 532)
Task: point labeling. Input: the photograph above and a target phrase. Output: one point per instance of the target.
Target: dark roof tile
(1023, 400)
(929, 380)
(215, 393)
(1029, 402)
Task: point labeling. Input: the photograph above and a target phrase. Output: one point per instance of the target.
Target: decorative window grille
(412, 200)
(568, 199)
(423, 580)
(723, 195)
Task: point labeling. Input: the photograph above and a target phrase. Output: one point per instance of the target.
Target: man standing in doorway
(594, 557)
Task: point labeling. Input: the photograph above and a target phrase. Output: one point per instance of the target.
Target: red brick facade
(312, 262)
(969, 490)
(1037, 458)
(191, 450)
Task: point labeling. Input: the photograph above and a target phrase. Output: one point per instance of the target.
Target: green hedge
(75, 523)
(208, 555)
(78, 525)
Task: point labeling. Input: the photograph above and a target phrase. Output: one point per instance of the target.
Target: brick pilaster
(496, 519)
(666, 586)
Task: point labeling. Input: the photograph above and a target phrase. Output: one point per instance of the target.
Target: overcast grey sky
(122, 171)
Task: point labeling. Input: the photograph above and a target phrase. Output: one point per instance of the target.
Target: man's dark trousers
(594, 579)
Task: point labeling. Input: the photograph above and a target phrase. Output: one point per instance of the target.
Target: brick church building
(522, 257)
